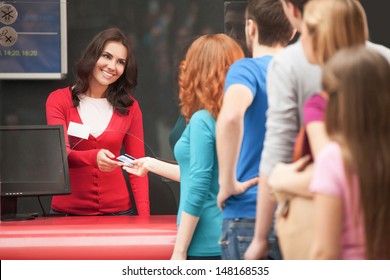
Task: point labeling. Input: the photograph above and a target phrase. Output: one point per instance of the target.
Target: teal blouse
(197, 157)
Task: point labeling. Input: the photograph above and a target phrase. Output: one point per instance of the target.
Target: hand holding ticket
(126, 159)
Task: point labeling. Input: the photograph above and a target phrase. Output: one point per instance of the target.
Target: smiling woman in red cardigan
(100, 106)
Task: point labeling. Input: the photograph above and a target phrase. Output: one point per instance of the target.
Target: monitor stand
(9, 210)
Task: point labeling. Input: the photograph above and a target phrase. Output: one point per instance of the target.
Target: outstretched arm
(142, 166)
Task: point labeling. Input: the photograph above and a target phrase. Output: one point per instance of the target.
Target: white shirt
(95, 113)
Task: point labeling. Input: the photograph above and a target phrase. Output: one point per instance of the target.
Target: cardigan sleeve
(135, 146)
(202, 163)
(58, 105)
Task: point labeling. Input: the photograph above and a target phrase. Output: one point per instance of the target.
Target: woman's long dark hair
(119, 94)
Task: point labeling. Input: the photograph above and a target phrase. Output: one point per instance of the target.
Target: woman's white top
(95, 113)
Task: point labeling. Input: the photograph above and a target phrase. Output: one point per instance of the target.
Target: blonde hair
(335, 24)
(358, 83)
(202, 73)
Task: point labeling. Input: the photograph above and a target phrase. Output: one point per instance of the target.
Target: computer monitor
(33, 162)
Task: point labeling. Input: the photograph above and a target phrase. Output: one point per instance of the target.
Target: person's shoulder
(247, 61)
(135, 101)
(314, 109)
(61, 94)
(250, 66)
(290, 54)
(331, 152)
(202, 115)
(202, 118)
(316, 99)
(291, 62)
(293, 57)
(242, 62)
(383, 50)
(240, 70)
(134, 108)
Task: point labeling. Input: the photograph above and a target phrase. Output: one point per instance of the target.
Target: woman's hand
(140, 167)
(257, 250)
(281, 176)
(291, 179)
(105, 161)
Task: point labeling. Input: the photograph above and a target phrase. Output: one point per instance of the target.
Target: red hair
(202, 73)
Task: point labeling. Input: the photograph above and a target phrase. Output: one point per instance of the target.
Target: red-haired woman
(201, 82)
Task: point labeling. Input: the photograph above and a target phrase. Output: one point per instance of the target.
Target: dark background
(160, 31)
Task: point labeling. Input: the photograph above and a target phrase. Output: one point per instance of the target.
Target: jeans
(238, 233)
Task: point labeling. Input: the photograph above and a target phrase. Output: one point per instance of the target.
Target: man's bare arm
(229, 133)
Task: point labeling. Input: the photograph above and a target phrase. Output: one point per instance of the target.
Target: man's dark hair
(273, 25)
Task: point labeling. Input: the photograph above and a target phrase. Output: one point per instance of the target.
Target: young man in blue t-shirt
(241, 126)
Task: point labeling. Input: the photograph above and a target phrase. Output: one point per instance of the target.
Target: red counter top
(91, 237)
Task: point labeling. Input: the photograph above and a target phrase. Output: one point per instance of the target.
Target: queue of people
(242, 116)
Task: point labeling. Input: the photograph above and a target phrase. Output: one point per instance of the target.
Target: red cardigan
(95, 192)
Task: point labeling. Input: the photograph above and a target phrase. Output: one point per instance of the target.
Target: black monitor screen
(33, 161)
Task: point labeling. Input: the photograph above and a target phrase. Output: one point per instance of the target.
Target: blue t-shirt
(197, 157)
(252, 73)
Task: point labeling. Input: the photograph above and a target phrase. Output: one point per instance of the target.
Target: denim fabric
(237, 234)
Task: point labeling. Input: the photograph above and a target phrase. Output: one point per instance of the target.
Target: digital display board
(33, 39)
